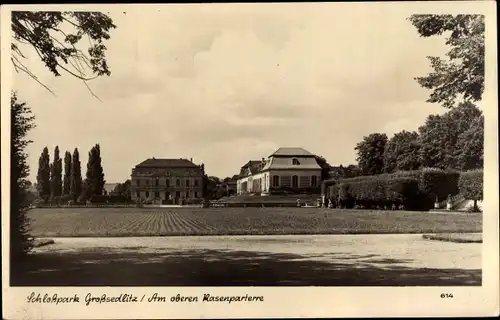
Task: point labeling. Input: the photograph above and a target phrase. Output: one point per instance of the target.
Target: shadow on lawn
(230, 268)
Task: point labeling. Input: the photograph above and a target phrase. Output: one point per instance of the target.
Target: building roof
(166, 163)
(304, 162)
(291, 152)
(251, 163)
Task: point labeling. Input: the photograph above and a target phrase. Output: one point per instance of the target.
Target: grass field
(95, 222)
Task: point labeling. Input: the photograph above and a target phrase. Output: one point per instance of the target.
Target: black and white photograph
(265, 145)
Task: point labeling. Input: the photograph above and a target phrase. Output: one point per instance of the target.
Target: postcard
(250, 160)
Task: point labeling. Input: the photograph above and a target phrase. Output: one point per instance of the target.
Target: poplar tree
(94, 178)
(76, 176)
(43, 175)
(56, 175)
(67, 173)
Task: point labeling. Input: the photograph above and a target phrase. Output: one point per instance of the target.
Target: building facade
(293, 168)
(166, 181)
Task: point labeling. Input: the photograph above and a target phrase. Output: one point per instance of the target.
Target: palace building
(294, 168)
(166, 181)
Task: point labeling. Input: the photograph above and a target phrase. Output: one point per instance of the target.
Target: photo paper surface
(249, 160)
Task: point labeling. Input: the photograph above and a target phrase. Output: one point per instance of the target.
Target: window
(314, 181)
(187, 194)
(196, 194)
(157, 195)
(147, 194)
(138, 182)
(147, 182)
(177, 194)
(178, 182)
(167, 181)
(196, 182)
(167, 195)
(276, 181)
(295, 182)
(137, 194)
(157, 182)
(295, 162)
(187, 183)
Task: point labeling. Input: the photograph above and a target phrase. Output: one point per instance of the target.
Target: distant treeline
(54, 187)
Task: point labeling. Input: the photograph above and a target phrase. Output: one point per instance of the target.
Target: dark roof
(251, 163)
(291, 152)
(166, 163)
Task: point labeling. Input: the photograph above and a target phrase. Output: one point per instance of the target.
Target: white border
(283, 301)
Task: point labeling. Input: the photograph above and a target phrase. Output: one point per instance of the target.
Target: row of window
(156, 195)
(177, 182)
(295, 181)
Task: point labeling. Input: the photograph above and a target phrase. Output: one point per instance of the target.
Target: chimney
(191, 159)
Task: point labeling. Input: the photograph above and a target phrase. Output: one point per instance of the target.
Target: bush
(403, 191)
(470, 184)
(437, 183)
(99, 199)
(283, 190)
(411, 189)
(118, 199)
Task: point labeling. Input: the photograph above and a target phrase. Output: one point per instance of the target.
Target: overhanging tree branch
(36, 29)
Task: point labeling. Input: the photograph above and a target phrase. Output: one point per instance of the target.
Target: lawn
(96, 222)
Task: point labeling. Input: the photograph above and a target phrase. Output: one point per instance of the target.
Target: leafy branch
(56, 48)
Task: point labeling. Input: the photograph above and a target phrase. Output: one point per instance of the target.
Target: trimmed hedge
(470, 184)
(282, 190)
(416, 190)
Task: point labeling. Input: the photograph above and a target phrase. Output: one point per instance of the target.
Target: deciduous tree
(461, 75)
(370, 153)
(57, 38)
(22, 121)
(325, 167)
(122, 189)
(402, 152)
(440, 134)
(470, 146)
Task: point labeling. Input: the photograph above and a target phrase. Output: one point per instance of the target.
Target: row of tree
(51, 183)
(453, 140)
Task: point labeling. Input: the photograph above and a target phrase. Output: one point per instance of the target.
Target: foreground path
(342, 260)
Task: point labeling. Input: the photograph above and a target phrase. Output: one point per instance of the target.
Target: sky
(224, 84)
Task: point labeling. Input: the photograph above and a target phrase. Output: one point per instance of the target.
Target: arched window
(295, 182)
(314, 181)
(147, 194)
(295, 162)
(276, 181)
(178, 182)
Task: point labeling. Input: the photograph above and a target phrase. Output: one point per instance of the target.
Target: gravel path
(401, 250)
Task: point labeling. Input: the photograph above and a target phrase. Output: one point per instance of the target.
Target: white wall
(304, 177)
(288, 174)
